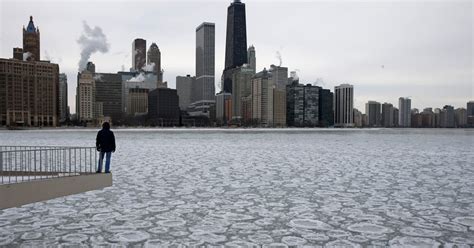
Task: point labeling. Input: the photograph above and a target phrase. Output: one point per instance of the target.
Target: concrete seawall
(18, 194)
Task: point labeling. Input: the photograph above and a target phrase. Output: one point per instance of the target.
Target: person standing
(105, 144)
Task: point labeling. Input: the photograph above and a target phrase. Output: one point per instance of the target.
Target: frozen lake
(270, 188)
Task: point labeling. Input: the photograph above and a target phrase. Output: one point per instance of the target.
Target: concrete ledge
(18, 194)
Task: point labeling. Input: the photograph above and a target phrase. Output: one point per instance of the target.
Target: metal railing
(27, 163)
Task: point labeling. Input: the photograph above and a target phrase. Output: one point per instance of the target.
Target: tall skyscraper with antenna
(236, 42)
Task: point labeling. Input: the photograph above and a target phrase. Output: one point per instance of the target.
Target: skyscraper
(236, 42)
(279, 76)
(387, 115)
(31, 42)
(184, 86)
(447, 117)
(404, 113)
(138, 54)
(326, 111)
(241, 78)
(205, 62)
(154, 57)
(372, 110)
(344, 105)
(108, 95)
(302, 105)
(63, 112)
(252, 59)
(470, 108)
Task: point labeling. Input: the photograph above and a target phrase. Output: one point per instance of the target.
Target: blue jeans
(107, 161)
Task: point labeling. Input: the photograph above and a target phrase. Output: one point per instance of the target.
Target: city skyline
(435, 60)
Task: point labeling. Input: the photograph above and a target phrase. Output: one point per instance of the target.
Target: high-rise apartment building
(461, 117)
(241, 83)
(236, 42)
(85, 97)
(326, 110)
(262, 99)
(404, 114)
(447, 117)
(302, 105)
(344, 105)
(470, 108)
(63, 108)
(204, 87)
(138, 54)
(387, 115)
(372, 111)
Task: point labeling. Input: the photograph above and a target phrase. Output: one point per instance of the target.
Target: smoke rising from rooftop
(92, 40)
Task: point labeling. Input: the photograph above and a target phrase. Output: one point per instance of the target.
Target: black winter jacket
(105, 141)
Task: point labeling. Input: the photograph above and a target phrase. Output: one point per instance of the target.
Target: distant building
(470, 108)
(395, 116)
(427, 118)
(138, 54)
(404, 114)
(447, 118)
(204, 87)
(133, 80)
(31, 42)
(223, 108)
(236, 42)
(154, 57)
(470, 113)
(387, 115)
(344, 105)
(137, 103)
(252, 59)
(241, 85)
(295, 105)
(461, 117)
(279, 108)
(163, 107)
(279, 76)
(262, 99)
(372, 111)
(18, 53)
(437, 118)
(184, 86)
(85, 97)
(108, 95)
(63, 99)
(326, 111)
(358, 118)
(416, 118)
(268, 100)
(302, 105)
(204, 108)
(29, 93)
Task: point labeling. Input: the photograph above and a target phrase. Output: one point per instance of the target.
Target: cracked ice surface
(271, 188)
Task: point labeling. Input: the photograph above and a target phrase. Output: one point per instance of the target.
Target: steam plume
(92, 40)
(278, 56)
(26, 56)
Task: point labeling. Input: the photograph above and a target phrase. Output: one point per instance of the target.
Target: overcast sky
(386, 49)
